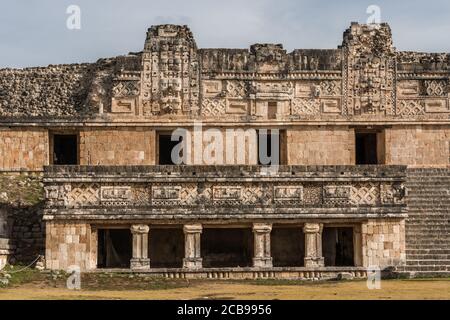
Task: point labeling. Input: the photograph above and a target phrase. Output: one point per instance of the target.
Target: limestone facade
(330, 107)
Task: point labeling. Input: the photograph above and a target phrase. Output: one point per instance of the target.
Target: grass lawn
(32, 284)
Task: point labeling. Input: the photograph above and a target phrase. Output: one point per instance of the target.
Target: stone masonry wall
(383, 243)
(21, 200)
(23, 149)
(68, 244)
(321, 146)
(134, 146)
(418, 145)
(239, 146)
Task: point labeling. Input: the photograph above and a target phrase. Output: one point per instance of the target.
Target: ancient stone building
(362, 178)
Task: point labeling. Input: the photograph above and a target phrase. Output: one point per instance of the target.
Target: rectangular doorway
(165, 146)
(64, 149)
(114, 248)
(166, 247)
(338, 247)
(227, 247)
(287, 246)
(369, 147)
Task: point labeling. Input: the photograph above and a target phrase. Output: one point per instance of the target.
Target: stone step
(434, 224)
(417, 221)
(427, 235)
(428, 251)
(426, 262)
(444, 227)
(439, 257)
(426, 268)
(426, 242)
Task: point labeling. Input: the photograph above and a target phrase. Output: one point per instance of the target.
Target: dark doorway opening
(114, 248)
(366, 148)
(337, 246)
(272, 110)
(65, 149)
(165, 147)
(227, 247)
(287, 247)
(166, 247)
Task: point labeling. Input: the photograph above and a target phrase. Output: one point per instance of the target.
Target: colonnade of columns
(262, 256)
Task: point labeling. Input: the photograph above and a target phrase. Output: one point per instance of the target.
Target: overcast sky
(34, 32)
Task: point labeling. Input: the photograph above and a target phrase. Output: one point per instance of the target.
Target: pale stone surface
(261, 233)
(383, 243)
(68, 244)
(312, 145)
(317, 98)
(313, 245)
(140, 260)
(117, 146)
(192, 258)
(23, 148)
(424, 146)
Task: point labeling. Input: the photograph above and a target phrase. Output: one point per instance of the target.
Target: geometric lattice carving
(236, 89)
(305, 106)
(84, 194)
(365, 194)
(188, 194)
(255, 194)
(330, 88)
(213, 107)
(410, 108)
(435, 87)
(221, 193)
(126, 88)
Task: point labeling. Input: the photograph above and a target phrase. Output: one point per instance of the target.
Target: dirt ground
(107, 286)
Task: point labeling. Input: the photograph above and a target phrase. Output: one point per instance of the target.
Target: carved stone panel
(288, 194)
(336, 194)
(170, 78)
(369, 69)
(115, 195)
(165, 194)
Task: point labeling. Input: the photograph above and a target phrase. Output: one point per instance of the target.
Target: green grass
(108, 281)
(21, 188)
(20, 275)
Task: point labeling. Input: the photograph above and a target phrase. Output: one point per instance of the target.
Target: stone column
(357, 246)
(192, 256)
(140, 260)
(262, 257)
(313, 245)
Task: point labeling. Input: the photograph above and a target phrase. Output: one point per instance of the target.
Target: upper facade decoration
(364, 79)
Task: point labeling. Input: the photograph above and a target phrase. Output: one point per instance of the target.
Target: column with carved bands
(313, 245)
(192, 257)
(262, 257)
(140, 260)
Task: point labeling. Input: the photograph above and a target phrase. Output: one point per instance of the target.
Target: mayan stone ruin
(362, 181)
